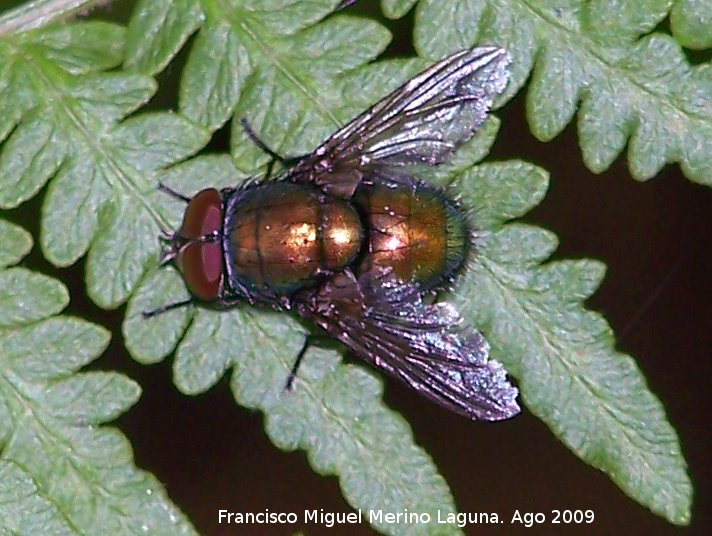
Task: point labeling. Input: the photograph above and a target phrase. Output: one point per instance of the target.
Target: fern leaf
(61, 472)
(15, 243)
(260, 55)
(691, 21)
(594, 398)
(279, 99)
(630, 88)
(63, 124)
(395, 9)
(296, 77)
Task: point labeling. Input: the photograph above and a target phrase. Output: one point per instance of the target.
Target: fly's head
(196, 248)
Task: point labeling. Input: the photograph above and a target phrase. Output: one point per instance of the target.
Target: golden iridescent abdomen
(414, 229)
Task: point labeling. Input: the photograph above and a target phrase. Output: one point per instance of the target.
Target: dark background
(655, 237)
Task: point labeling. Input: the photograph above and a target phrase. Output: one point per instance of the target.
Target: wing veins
(442, 76)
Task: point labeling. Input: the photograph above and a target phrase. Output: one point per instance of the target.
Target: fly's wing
(422, 122)
(386, 324)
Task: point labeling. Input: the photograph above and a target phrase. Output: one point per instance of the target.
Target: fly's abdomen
(283, 235)
(415, 230)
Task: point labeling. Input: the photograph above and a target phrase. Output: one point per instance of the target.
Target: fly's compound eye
(200, 263)
(200, 259)
(203, 216)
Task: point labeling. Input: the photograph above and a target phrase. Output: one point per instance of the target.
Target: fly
(352, 239)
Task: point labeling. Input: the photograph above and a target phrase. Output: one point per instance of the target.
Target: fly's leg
(285, 161)
(170, 191)
(297, 362)
(309, 340)
(223, 303)
(258, 141)
(166, 308)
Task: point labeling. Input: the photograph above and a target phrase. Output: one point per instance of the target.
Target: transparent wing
(422, 122)
(386, 324)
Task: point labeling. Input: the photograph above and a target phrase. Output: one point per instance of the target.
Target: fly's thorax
(415, 230)
(281, 236)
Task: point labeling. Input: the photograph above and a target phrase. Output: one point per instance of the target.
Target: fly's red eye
(201, 262)
(203, 215)
(201, 266)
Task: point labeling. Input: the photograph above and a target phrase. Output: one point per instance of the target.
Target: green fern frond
(593, 398)
(691, 23)
(61, 117)
(297, 73)
(631, 87)
(277, 60)
(61, 472)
